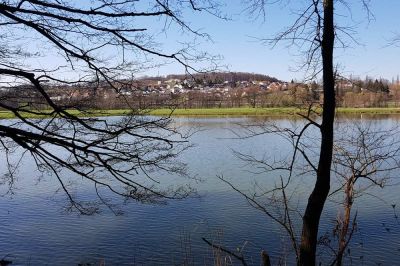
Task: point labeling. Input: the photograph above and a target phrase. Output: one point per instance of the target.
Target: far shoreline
(238, 111)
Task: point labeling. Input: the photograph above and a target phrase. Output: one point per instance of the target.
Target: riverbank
(279, 111)
(244, 111)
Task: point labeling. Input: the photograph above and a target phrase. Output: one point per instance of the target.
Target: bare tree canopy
(316, 34)
(93, 44)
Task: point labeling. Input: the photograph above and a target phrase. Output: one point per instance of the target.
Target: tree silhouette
(91, 45)
(315, 34)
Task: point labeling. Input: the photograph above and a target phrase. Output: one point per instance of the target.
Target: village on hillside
(230, 89)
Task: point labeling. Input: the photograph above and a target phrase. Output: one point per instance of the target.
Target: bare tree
(364, 157)
(318, 197)
(315, 30)
(315, 34)
(74, 45)
(278, 202)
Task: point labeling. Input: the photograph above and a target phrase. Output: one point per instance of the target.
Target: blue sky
(234, 40)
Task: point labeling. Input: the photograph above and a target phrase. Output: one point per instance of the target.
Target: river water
(36, 230)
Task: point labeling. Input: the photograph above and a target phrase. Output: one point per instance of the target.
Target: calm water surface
(35, 230)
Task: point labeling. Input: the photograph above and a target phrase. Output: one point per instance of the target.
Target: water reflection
(35, 230)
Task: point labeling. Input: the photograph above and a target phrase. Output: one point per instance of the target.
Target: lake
(36, 230)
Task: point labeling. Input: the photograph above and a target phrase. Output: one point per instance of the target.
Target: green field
(91, 113)
(227, 111)
(383, 110)
(245, 111)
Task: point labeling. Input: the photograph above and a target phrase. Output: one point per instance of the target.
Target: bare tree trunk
(344, 230)
(265, 258)
(318, 197)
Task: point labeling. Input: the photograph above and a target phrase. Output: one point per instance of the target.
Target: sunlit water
(35, 229)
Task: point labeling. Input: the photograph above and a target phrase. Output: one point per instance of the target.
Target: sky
(237, 40)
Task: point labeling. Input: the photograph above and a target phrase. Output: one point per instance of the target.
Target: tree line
(349, 93)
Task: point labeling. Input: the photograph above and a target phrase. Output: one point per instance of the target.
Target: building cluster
(217, 90)
(178, 86)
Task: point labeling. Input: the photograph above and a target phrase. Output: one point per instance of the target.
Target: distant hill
(217, 77)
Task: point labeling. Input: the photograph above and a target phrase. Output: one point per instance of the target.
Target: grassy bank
(372, 111)
(244, 111)
(283, 111)
(92, 113)
(227, 111)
